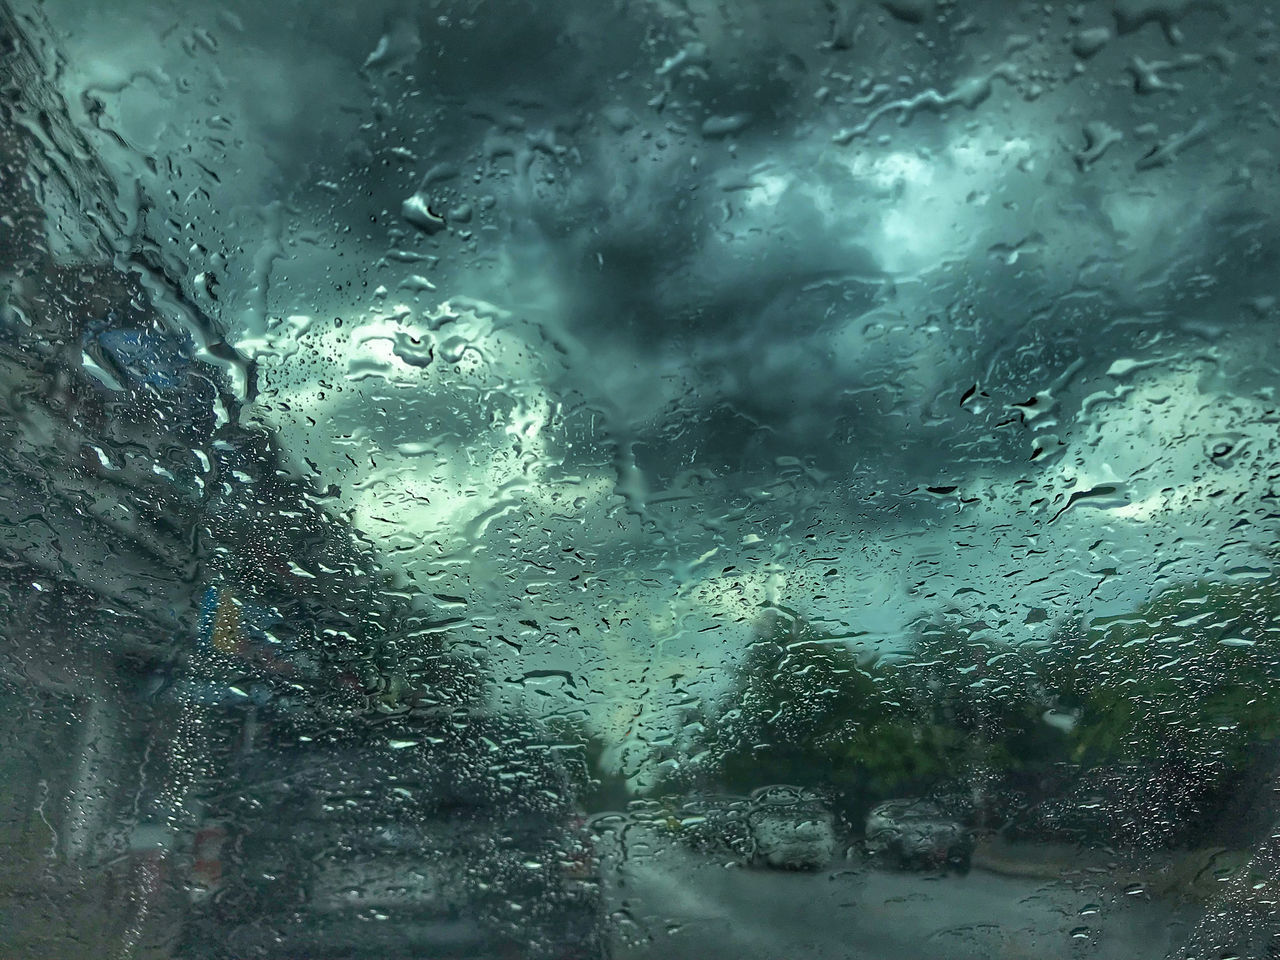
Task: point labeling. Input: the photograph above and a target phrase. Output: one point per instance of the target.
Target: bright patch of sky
(654, 375)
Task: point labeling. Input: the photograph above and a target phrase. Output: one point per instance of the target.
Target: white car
(917, 834)
(792, 829)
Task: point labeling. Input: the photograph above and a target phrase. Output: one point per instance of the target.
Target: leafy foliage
(595, 786)
(804, 710)
(1180, 685)
(1185, 678)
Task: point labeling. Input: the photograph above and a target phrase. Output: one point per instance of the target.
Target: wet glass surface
(639, 479)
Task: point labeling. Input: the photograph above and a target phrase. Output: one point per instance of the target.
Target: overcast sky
(620, 319)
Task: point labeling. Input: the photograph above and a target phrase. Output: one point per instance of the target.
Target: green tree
(802, 709)
(1180, 687)
(596, 788)
(1188, 678)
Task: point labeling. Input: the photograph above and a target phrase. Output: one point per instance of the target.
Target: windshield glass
(639, 479)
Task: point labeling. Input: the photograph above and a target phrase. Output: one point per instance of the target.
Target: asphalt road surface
(673, 904)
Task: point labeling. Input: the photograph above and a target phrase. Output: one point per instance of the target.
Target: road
(674, 904)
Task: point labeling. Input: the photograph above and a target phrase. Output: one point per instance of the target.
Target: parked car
(446, 836)
(793, 829)
(918, 835)
(784, 827)
(717, 825)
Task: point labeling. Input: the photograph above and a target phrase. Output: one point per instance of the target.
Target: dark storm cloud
(595, 119)
(663, 191)
(875, 309)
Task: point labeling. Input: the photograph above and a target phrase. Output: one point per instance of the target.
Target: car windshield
(639, 479)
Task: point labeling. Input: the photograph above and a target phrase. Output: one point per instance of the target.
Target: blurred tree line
(1132, 728)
